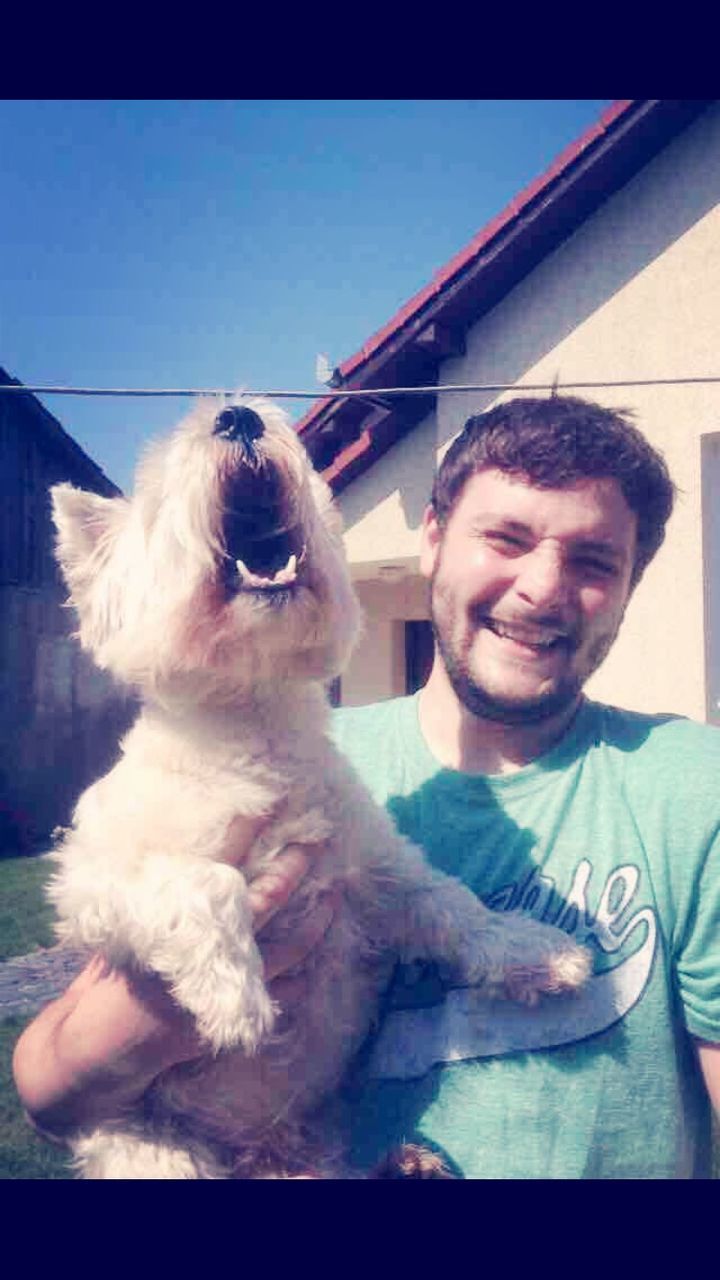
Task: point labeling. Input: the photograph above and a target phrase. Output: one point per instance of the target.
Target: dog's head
(225, 570)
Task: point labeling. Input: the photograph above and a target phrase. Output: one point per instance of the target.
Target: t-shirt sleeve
(365, 736)
(675, 799)
(698, 952)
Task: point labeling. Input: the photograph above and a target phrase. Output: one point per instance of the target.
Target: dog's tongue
(283, 577)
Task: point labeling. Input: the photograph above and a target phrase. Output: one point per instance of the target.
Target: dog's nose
(238, 423)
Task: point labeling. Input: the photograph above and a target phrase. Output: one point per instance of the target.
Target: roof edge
(56, 434)
(623, 115)
(340, 433)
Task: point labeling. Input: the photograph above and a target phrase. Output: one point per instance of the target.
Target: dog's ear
(86, 525)
(88, 530)
(83, 521)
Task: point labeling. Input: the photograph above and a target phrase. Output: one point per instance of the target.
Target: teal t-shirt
(614, 836)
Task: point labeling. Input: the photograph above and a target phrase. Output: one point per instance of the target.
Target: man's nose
(543, 578)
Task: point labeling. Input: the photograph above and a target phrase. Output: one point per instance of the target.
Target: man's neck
(467, 742)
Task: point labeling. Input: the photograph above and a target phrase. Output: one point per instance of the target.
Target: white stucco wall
(634, 293)
(383, 508)
(377, 670)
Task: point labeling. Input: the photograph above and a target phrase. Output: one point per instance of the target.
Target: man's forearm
(90, 1055)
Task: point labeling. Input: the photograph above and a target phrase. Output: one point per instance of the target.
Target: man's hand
(91, 1054)
(709, 1059)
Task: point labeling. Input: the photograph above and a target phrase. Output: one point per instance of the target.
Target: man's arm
(91, 1054)
(709, 1058)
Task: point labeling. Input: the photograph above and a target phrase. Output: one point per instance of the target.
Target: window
(419, 652)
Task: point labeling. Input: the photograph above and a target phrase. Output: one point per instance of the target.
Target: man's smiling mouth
(532, 636)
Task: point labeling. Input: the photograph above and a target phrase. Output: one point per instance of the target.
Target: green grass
(25, 924)
(25, 916)
(22, 1153)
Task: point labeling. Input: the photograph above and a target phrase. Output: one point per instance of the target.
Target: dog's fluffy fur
(183, 593)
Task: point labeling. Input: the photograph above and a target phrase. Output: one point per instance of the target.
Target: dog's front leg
(186, 919)
(424, 914)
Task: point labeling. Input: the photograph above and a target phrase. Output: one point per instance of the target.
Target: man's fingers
(272, 889)
(240, 837)
(280, 958)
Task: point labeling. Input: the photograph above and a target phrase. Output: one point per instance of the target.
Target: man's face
(529, 587)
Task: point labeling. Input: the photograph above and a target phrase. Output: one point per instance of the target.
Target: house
(604, 270)
(60, 717)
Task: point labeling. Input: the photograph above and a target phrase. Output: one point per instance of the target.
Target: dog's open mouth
(264, 546)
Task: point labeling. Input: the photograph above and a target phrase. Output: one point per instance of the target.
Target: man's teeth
(536, 637)
(281, 578)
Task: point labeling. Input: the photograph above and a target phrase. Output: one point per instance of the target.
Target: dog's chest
(328, 1006)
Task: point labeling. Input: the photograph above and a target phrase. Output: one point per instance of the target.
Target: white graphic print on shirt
(462, 1023)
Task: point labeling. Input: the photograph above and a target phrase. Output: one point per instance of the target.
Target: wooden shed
(60, 717)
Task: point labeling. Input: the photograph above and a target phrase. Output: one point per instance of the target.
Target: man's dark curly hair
(554, 442)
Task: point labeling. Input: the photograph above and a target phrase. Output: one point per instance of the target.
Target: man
(543, 517)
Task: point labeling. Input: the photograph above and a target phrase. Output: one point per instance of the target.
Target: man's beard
(480, 702)
(486, 706)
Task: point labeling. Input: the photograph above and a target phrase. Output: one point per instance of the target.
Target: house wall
(377, 670)
(383, 508)
(634, 293)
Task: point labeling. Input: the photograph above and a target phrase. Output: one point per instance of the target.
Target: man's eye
(505, 541)
(601, 567)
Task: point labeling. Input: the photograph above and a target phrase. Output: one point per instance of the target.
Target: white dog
(222, 593)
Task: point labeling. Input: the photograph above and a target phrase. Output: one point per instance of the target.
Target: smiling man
(543, 517)
(605, 823)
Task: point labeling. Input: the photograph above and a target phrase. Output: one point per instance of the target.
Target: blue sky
(219, 244)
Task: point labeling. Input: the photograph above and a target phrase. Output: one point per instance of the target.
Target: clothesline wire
(347, 392)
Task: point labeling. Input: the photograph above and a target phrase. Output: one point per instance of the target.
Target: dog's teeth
(289, 573)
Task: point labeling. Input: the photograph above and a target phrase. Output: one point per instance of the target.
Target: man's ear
(86, 526)
(430, 539)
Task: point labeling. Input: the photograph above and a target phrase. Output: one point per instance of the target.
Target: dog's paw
(521, 959)
(556, 974)
(411, 1161)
